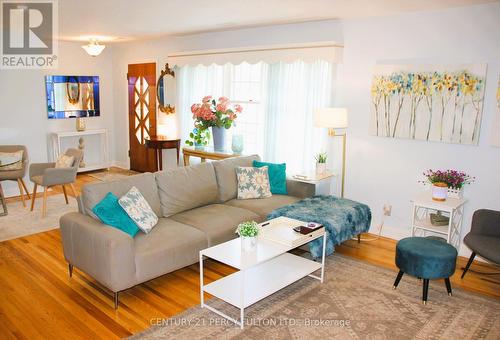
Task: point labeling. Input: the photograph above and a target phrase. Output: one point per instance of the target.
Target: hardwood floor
(39, 300)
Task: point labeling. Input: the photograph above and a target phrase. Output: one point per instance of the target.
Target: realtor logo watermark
(29, 34)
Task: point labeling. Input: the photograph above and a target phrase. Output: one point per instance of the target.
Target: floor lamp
(334, 118)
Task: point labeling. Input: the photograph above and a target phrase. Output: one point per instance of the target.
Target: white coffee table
(261, 272)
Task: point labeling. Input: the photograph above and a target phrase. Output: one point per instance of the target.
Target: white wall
(382, 170)
(157, 51)
(23, 112)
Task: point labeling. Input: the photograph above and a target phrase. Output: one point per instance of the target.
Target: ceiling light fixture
(93, 48)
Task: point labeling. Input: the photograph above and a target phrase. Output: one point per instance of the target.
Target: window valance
(327, 51)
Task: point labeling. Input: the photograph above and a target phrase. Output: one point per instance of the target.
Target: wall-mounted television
(72, 96)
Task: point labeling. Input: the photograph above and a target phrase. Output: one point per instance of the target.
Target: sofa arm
(300, 189)
(103, 252)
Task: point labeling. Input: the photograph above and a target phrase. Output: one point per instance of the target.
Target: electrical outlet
(387, 209)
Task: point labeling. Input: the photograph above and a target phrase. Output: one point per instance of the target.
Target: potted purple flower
(447, 183)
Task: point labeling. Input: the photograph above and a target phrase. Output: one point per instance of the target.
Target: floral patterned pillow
(253, 182)
(138, 209)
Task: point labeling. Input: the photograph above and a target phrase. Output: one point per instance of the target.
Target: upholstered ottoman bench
(427, 258)
(342, 218)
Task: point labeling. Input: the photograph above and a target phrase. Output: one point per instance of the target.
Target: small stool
(426, 258)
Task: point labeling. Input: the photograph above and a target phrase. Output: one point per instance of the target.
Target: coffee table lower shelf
(246, 287)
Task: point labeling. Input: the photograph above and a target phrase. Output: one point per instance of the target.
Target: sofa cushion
(263, 206)
(169, 246)
(277, 176)
(93, 193)
(253, 183)
(225, 172)
(217, 221)
(136, 206)
(109, 211)
(186, 188)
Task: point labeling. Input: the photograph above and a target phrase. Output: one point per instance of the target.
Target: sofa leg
(359, 238)
(471, 258)
(448, 285)
(115, 296)
(398, 278)
(425, 291)
(70, 270)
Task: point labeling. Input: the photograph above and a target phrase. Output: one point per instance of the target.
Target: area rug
(356, 301)
(112, 174)
(21, 221)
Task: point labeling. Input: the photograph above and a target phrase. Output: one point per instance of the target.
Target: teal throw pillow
(111, 213)
(277, 176)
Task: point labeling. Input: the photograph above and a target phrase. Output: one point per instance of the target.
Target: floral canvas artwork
(428, 102)
(495, 131)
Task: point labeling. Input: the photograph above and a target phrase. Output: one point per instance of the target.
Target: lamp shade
(331, 117)
(93, 48)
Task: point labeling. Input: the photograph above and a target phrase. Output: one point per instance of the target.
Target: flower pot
(439, 191)
(219, 135)
(248, 243)
(455, 193)
(320, 168)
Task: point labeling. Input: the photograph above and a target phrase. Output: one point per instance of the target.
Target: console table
(95, 148)
(159, 143)
(206, 153)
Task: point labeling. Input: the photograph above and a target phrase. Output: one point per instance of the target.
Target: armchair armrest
(486, 222)
(103, 252)
(37, 169)
(300, 189)
(57, 176)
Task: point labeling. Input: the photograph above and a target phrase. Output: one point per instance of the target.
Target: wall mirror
(72, 96)
(166, 90)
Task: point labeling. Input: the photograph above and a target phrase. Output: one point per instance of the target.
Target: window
(278, 101)
(246, 88)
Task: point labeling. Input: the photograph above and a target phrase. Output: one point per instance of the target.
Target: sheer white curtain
(294, 91)
(289, 94)
(194, 83)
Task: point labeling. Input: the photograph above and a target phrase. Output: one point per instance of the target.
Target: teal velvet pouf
(426, 258)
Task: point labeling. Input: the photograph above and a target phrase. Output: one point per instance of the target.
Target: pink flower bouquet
(212, 113)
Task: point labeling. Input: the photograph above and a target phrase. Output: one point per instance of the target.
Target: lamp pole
(332, 133)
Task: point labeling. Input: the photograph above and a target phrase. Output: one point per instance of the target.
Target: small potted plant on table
(248, 232)
(321, 163)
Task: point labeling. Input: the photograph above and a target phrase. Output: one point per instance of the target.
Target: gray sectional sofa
(197, 207)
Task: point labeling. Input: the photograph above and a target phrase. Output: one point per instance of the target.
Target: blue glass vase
(237, 144)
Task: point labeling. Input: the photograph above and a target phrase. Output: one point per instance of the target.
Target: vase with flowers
(447, 183)
(219, 115)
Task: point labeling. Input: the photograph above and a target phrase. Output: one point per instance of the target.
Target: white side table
(424, 205)
(322, 182)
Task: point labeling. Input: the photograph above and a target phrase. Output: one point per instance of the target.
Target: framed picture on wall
(440, 103)
(72, 96)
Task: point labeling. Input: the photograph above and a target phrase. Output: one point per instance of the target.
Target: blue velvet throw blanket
(342, 218)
